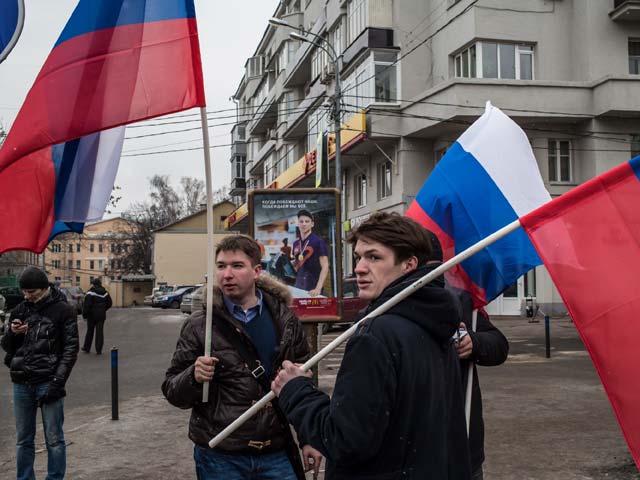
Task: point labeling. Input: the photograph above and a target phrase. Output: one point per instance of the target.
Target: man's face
(376, 268)
(33, 294)
(305, 224)
(235, 275)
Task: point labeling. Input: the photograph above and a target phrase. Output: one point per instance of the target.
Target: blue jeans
(25, 405)
(214, 464)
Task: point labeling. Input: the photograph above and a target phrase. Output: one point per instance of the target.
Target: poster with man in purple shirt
(306, 219)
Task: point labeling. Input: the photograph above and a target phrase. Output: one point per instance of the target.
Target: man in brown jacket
(252, 309)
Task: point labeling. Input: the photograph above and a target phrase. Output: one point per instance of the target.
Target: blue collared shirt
(244, 316)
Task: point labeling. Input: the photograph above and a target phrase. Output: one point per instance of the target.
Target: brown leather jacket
(233, 389)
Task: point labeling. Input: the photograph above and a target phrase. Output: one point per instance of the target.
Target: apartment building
(13, 263)
(75, 260)
(415, 74)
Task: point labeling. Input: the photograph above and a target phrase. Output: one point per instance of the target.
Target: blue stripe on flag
(635, 164)
(92, 15)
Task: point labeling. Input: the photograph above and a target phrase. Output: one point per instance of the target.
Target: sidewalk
(546, 419)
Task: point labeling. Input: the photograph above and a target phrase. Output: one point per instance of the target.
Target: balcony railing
(239, 133)
(625, 10)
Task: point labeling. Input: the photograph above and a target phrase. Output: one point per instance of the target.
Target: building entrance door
(510, 301)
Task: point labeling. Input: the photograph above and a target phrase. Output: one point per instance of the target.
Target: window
(385, 77)
(91, 247)
(384, 180)
(317, 122)
(635, 145)
(286, 104)
(356, 18)
(70, 248)
(91, 265)
(495, 60)
(58, 279)
(91, 279)
(78, 280)
(113, 264)
(319, 60)
(560, 161)
(100, 247)
(100, 264)
(634, 57)
(55, 247)
(362, 90)
(283, 58)
(291, 155)
(337, 37)
(55, 263)
(77, 263)
(70, 264)
(77, 247)
(360, 191)
(239, 166)
(255, 66)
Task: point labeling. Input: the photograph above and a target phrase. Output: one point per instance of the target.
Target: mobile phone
(16, 322)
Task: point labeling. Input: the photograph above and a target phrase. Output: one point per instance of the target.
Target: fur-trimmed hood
(265, 282)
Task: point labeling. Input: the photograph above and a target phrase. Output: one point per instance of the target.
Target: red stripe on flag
(589, 240)
(108, 78)
(456, 277)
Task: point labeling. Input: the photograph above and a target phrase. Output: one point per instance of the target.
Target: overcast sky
(229, 33)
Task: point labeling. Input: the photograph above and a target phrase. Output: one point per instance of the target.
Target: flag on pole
(487, 179)
(116, 62)
(589, 240)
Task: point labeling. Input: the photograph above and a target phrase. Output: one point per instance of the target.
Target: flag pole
(418, 284)
(209, 286)
(467, 402)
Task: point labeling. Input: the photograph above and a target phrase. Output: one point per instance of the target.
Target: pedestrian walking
(94, 310)
(253, 331)
(397, 408)
(42, 347)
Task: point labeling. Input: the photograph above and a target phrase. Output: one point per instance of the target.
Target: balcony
(265, 118)
(625, 11)
(238, 186)
(298, 70)
(296, 121)
(239, 133)
(257, 167)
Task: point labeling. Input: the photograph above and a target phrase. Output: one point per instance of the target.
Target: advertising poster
(296, 230)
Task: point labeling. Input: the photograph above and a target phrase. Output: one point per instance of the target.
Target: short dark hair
(406, 237)
(305, 213)
(241, 243)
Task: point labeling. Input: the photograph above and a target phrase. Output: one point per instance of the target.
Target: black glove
(55, 391)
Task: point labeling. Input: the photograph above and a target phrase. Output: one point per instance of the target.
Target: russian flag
(116, 62)
(486, 180)
(589, 240)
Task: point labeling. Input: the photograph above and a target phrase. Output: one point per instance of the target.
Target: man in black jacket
(42, 347)
(96, 303)
(250, 314)
(397, 409)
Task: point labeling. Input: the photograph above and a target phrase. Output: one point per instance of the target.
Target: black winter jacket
(49, 348)
(397, 410)
(233, 389)
(96, 303)
(490, 348)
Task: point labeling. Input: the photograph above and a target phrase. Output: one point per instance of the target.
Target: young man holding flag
(397, 408)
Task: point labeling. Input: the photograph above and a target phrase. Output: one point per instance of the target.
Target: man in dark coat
(96, 303)
(42, 347)
(397, 409)
(255, 308)
(487, 346)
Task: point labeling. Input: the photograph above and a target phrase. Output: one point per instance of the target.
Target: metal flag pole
(208, 313)
(418, 284)
(467, 400)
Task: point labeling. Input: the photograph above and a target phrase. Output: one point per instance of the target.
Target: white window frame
(360, 191)
(634, 60)
(384, 170)
(357, 18)
(519, 50)
(558, 161)
(239, 166)
(338, 36)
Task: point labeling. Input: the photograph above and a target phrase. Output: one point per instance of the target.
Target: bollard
(547, 336)
(114, 383)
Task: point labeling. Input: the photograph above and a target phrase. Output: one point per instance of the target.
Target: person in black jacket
(487, 346)
(42, 347)
(397, 409)
(96, 303)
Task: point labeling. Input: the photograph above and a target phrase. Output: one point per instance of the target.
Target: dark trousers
(477, 474)
(98, 326)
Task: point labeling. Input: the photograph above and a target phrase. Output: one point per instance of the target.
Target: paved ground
(546, 418)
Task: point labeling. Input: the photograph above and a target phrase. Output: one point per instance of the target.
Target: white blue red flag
(487, 179)
(11, 21)
(116, 62)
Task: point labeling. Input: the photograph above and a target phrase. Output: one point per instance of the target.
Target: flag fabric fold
(589, 240)
(486, 180)
(116, 62)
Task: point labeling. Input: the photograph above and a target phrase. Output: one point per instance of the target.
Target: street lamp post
(335, 58)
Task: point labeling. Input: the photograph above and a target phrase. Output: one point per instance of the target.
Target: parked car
(172, 299)
(352, 304)
(197, 298)
(13, 296)
(74, 296)
(158, 292)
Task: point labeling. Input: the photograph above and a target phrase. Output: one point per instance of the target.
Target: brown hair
(406, 237)
(241, 243)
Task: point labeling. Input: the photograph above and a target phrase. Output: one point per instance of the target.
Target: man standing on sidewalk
(397, 410)
(96, 303)
(42, 347)
(253, 332)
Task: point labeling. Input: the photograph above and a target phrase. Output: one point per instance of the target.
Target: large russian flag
(116, 62)
(589, 240)
(486, 180)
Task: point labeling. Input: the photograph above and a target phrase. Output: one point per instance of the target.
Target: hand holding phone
(18, 327)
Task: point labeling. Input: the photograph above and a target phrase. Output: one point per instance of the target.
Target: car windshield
(180, 291)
